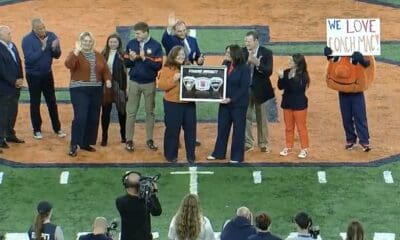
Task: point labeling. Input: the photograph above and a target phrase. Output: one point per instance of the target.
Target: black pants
(8, 113)
(86, 102)
(105, 121)
(38, 84)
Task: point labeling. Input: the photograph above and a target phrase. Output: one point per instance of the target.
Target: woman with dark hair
(42, 226)
(355, 231)
(113, 54)
(263, 221)
(294, 81)
(232, 110)
(89, 71)
(189, 222)
(177, 114)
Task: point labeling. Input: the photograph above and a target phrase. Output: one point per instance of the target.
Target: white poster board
(203, 83)
(345, 36)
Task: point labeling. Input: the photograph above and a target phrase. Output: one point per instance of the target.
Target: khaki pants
(261, 119)
(135, 92)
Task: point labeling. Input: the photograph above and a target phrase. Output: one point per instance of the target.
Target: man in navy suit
(260, 62)
(176, 34)
(11, 80)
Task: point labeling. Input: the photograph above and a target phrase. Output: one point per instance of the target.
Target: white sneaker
(37, 135)
(285, 152)
(303, 153)
(61, 134)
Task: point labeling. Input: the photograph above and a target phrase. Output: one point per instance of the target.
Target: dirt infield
(289, 20)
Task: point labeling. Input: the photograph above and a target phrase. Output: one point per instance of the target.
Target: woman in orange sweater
(89, 71)
(177, 114)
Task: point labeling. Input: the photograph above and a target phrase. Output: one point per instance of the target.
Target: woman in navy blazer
(232, 110)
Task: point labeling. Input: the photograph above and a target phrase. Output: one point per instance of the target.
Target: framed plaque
(203, 83)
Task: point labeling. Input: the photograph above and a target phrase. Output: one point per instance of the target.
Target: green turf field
(350, 193)
(392, 3)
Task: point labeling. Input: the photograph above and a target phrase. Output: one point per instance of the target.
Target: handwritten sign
(345, 36)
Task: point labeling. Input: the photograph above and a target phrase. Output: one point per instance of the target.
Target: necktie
(11, 50)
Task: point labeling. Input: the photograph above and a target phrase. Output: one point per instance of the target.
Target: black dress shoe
(103, 143)
(14, 139)
(73, 151)
(151, 145)
(3, 144)
(1, 151)
(88, 148)
(198, 143)
(174, 160)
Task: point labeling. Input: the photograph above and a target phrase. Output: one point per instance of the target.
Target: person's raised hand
(78, 48)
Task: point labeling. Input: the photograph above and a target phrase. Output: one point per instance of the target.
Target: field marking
(17, 236)
(257, 177)
(193, 185)
(322, 177)
(192, 33)
(64, 177)
(384, 236)
(387, 176)
(1, 177)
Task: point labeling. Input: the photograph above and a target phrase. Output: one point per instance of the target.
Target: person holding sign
(232, 110)
(351, 76)
(178, 114)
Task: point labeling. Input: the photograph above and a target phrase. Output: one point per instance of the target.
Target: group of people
(188, 223)
(119, 76)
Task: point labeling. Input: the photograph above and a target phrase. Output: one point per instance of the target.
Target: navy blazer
(294, 96)
(237, 86)
(10, 70)
(169, 41)
(261, 86)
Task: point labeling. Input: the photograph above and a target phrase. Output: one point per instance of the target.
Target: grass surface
(351, 193)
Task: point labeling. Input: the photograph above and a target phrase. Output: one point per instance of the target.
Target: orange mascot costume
(351, 76)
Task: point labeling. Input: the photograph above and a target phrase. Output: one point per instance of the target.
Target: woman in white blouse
(113, 54)
(189, 222)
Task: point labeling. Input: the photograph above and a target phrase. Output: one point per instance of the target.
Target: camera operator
(135, 211)
(99, 230)
(305, 230)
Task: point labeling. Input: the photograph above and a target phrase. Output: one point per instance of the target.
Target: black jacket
(294, 97)
(261, 86)
(135, 217)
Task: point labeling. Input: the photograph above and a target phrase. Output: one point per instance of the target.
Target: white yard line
(322, 177)
(64, 177)
(193, 185)
(387, 176)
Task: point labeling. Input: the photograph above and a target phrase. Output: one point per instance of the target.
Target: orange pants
(298, 118)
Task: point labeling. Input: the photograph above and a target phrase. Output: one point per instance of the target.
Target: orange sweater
(166, 82)
(80, 67)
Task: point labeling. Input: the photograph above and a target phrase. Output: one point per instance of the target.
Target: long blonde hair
(188, 218)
